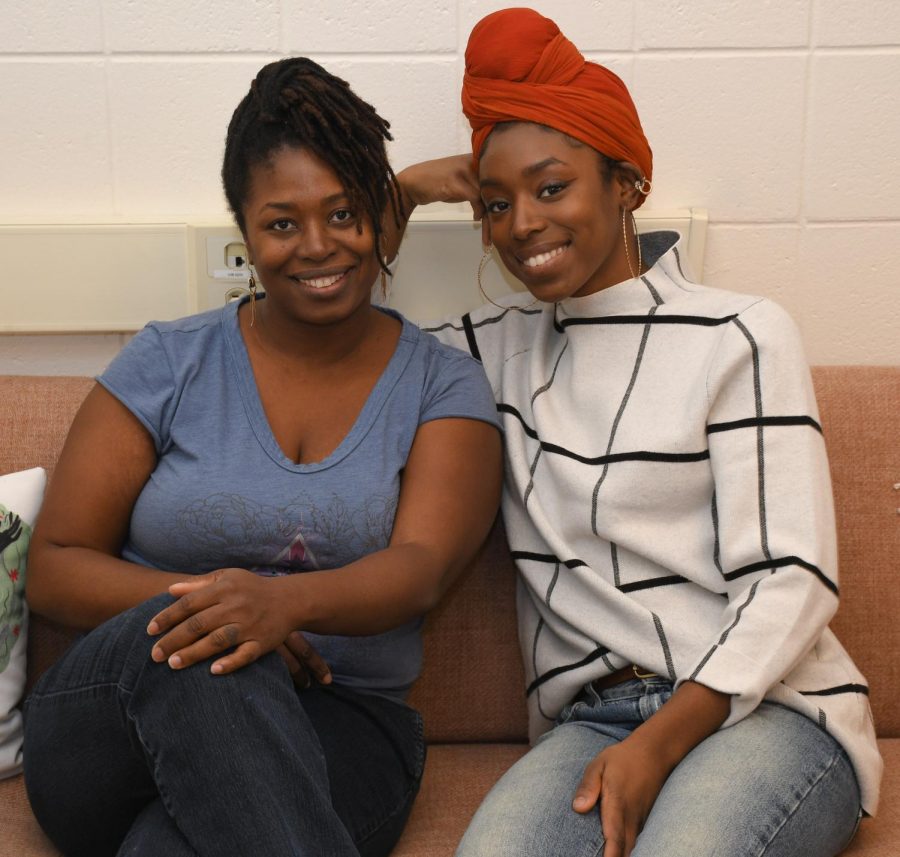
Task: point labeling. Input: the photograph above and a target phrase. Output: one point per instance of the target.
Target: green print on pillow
(14, 537)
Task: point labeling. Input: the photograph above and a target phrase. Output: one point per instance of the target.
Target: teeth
(542, 258)
(322, 282)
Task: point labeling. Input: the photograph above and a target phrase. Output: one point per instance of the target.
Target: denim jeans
(127, 756)
(774, 784)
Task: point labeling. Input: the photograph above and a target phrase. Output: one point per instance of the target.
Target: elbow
(434, 583)
(39, 588)
(35, 589)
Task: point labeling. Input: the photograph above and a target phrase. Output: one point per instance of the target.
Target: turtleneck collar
(662, 253)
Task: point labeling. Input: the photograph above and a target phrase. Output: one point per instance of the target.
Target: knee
(524, 831)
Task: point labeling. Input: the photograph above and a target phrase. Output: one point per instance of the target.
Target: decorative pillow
(20, 499)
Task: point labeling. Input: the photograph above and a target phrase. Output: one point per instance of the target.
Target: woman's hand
(626, 779)
(450, 179)
(304, 662)
(227, 609)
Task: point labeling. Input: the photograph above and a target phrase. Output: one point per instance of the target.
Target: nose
(315, 243)
(526, 219)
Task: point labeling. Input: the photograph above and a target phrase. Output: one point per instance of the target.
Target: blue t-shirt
(223, 494)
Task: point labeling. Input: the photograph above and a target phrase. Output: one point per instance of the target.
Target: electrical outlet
(221, 271)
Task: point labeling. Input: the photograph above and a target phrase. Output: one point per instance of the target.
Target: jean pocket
(571, 712)
(652, 702)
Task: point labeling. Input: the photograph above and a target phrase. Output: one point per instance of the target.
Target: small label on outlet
(231, 274)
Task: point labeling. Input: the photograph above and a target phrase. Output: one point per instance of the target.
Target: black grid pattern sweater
(668, 500)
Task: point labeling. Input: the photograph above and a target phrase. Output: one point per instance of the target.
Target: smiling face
(304, 239)
(554, 212)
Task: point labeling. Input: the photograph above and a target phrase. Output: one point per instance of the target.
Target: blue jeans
(774, 784)
(126, 756)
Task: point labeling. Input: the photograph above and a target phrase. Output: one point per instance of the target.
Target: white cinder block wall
(781, 117)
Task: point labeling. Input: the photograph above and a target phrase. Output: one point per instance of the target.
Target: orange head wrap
(520, 67)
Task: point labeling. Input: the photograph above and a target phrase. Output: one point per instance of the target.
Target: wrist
(289, 601)
(692, 714)
(408, 198)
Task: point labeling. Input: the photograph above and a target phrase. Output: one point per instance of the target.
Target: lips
(539, 256)
(319, 279)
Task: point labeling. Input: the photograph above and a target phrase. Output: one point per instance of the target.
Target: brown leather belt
(628, 673)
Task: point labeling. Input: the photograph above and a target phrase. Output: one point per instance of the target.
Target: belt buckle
(639, 673)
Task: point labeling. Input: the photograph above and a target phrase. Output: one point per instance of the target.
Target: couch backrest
(860, 410)
(472, 686)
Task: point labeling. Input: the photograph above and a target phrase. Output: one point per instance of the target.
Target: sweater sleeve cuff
(731, 672)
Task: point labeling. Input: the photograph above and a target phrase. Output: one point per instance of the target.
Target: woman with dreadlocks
(234, 478)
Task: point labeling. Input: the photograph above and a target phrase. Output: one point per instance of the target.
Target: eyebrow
(340, 196)
(527, 172)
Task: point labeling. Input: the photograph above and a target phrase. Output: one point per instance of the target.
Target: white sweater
(668, 500)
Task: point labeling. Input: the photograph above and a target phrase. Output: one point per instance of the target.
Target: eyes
(546, 191)
(338, 217)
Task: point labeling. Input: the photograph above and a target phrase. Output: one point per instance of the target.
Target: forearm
(395, 221)
(372, 595)
(692, 714)
(82, 587)
(449, 180)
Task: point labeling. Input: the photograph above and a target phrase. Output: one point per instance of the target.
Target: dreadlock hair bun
(296, 103)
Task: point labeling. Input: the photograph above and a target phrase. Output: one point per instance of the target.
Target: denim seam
(831, 763)
(70, 690)
(160, 786)
(403, 803)
(380, 823)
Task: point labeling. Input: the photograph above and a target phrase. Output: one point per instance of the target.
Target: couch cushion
(880, 836)
(859, 407)
(36, 419)
(457, 777)
(21, 835)
(473, 685)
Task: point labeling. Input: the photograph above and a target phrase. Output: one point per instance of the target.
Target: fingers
(485, 232)
(311, 661)
(244, 654)
(298, 672)
(450, 179)
(190, 600)
(185, 586)
(201, 635)
(619, 831)
(588, 792)
(620, 827)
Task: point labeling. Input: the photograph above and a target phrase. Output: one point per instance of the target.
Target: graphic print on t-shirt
(225, 530)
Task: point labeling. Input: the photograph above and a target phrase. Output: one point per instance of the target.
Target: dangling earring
(637, 240)
(485, 258)
(385, 270)
(251, 286)
(627, 252)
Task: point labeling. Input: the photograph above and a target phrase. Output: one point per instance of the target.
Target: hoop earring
(251, 286)
(643, 186)
(485, 258)
(627, 251)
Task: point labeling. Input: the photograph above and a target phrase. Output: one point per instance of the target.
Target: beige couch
(471, 692)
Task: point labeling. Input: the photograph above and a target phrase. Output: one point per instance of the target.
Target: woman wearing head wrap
(667, 500)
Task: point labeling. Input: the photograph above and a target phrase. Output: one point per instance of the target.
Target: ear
(625, 181)
(486, 232)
